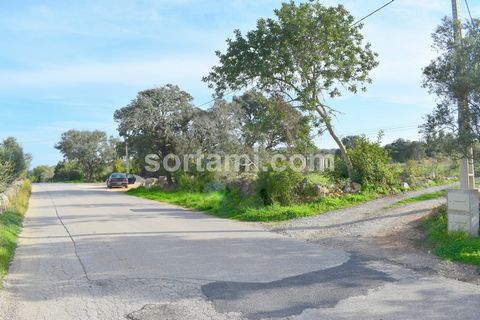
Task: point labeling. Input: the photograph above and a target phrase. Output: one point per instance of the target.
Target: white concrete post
(463, 211)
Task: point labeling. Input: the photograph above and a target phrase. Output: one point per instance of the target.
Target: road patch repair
(291, 296)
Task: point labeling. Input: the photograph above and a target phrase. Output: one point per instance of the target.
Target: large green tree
(157, 121)
(11, 152)
(454, 77)
(91, 150)
(272, 122)
(307, 53)
(217, 129)
(402, 150)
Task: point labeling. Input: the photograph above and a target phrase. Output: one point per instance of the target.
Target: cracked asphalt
(91, 253)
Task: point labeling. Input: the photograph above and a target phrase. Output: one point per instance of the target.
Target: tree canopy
(157, 121)
(454, 77)
(91, 150)
(162, 121)
(307, 53)
(13, 161)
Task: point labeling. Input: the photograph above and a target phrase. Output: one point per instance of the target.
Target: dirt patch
(410, 241)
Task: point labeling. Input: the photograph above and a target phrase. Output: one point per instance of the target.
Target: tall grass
(10, 226)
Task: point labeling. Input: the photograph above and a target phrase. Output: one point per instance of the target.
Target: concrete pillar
(463, 210)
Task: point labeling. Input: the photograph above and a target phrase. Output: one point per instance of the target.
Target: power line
(214, 99)
(395, 128)
(468, 9)
(373, 12)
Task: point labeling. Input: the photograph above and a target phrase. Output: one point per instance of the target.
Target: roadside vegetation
(282, 114)
(454, 246)
(13, 162)
(11, 224)
(228, 204)
(13, 168)
(281, 195)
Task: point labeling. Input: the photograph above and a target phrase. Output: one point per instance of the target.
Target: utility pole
(467, 175)
(463, 203)
(127, 160)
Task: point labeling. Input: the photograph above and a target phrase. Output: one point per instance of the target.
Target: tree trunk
(338, 141)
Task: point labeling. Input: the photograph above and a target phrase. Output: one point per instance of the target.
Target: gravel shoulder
(386, 234)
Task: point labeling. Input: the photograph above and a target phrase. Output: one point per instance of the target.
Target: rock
(406, 185)
(320, 190)
(150, 182)
(356, 187)
(162, 182)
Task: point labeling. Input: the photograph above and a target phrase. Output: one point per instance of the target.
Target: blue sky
(71, 64)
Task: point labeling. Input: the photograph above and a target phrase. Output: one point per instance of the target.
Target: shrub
(42, 173)
(282, 187)
(67, 171)
(371, 164)
(118, 166)
(411, 173)
(198, 181)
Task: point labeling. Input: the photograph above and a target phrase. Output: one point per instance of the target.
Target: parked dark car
(117, 180)
(131, 178)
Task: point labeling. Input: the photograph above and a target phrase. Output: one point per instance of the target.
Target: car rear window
(118, 176)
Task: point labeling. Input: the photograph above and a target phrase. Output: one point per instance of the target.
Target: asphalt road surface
(91, 253)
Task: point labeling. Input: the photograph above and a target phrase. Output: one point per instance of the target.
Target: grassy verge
(225, 205)
(456, 246)
(10, 226)
(422, 197)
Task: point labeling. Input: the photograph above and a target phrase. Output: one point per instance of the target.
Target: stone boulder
(162, 182)
(320, 191)
(150, 182)
(356, 187)
(353, 187)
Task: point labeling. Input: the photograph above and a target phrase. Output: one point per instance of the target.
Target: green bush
(42, 173)
(281, 187)
(411, 173)
(67, 171)
(371, 165)
(198, 181)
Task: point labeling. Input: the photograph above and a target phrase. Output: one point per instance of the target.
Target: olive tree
(91, 150)
(157, 121)
(308, 52)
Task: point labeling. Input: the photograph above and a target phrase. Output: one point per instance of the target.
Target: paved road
(91, 253)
